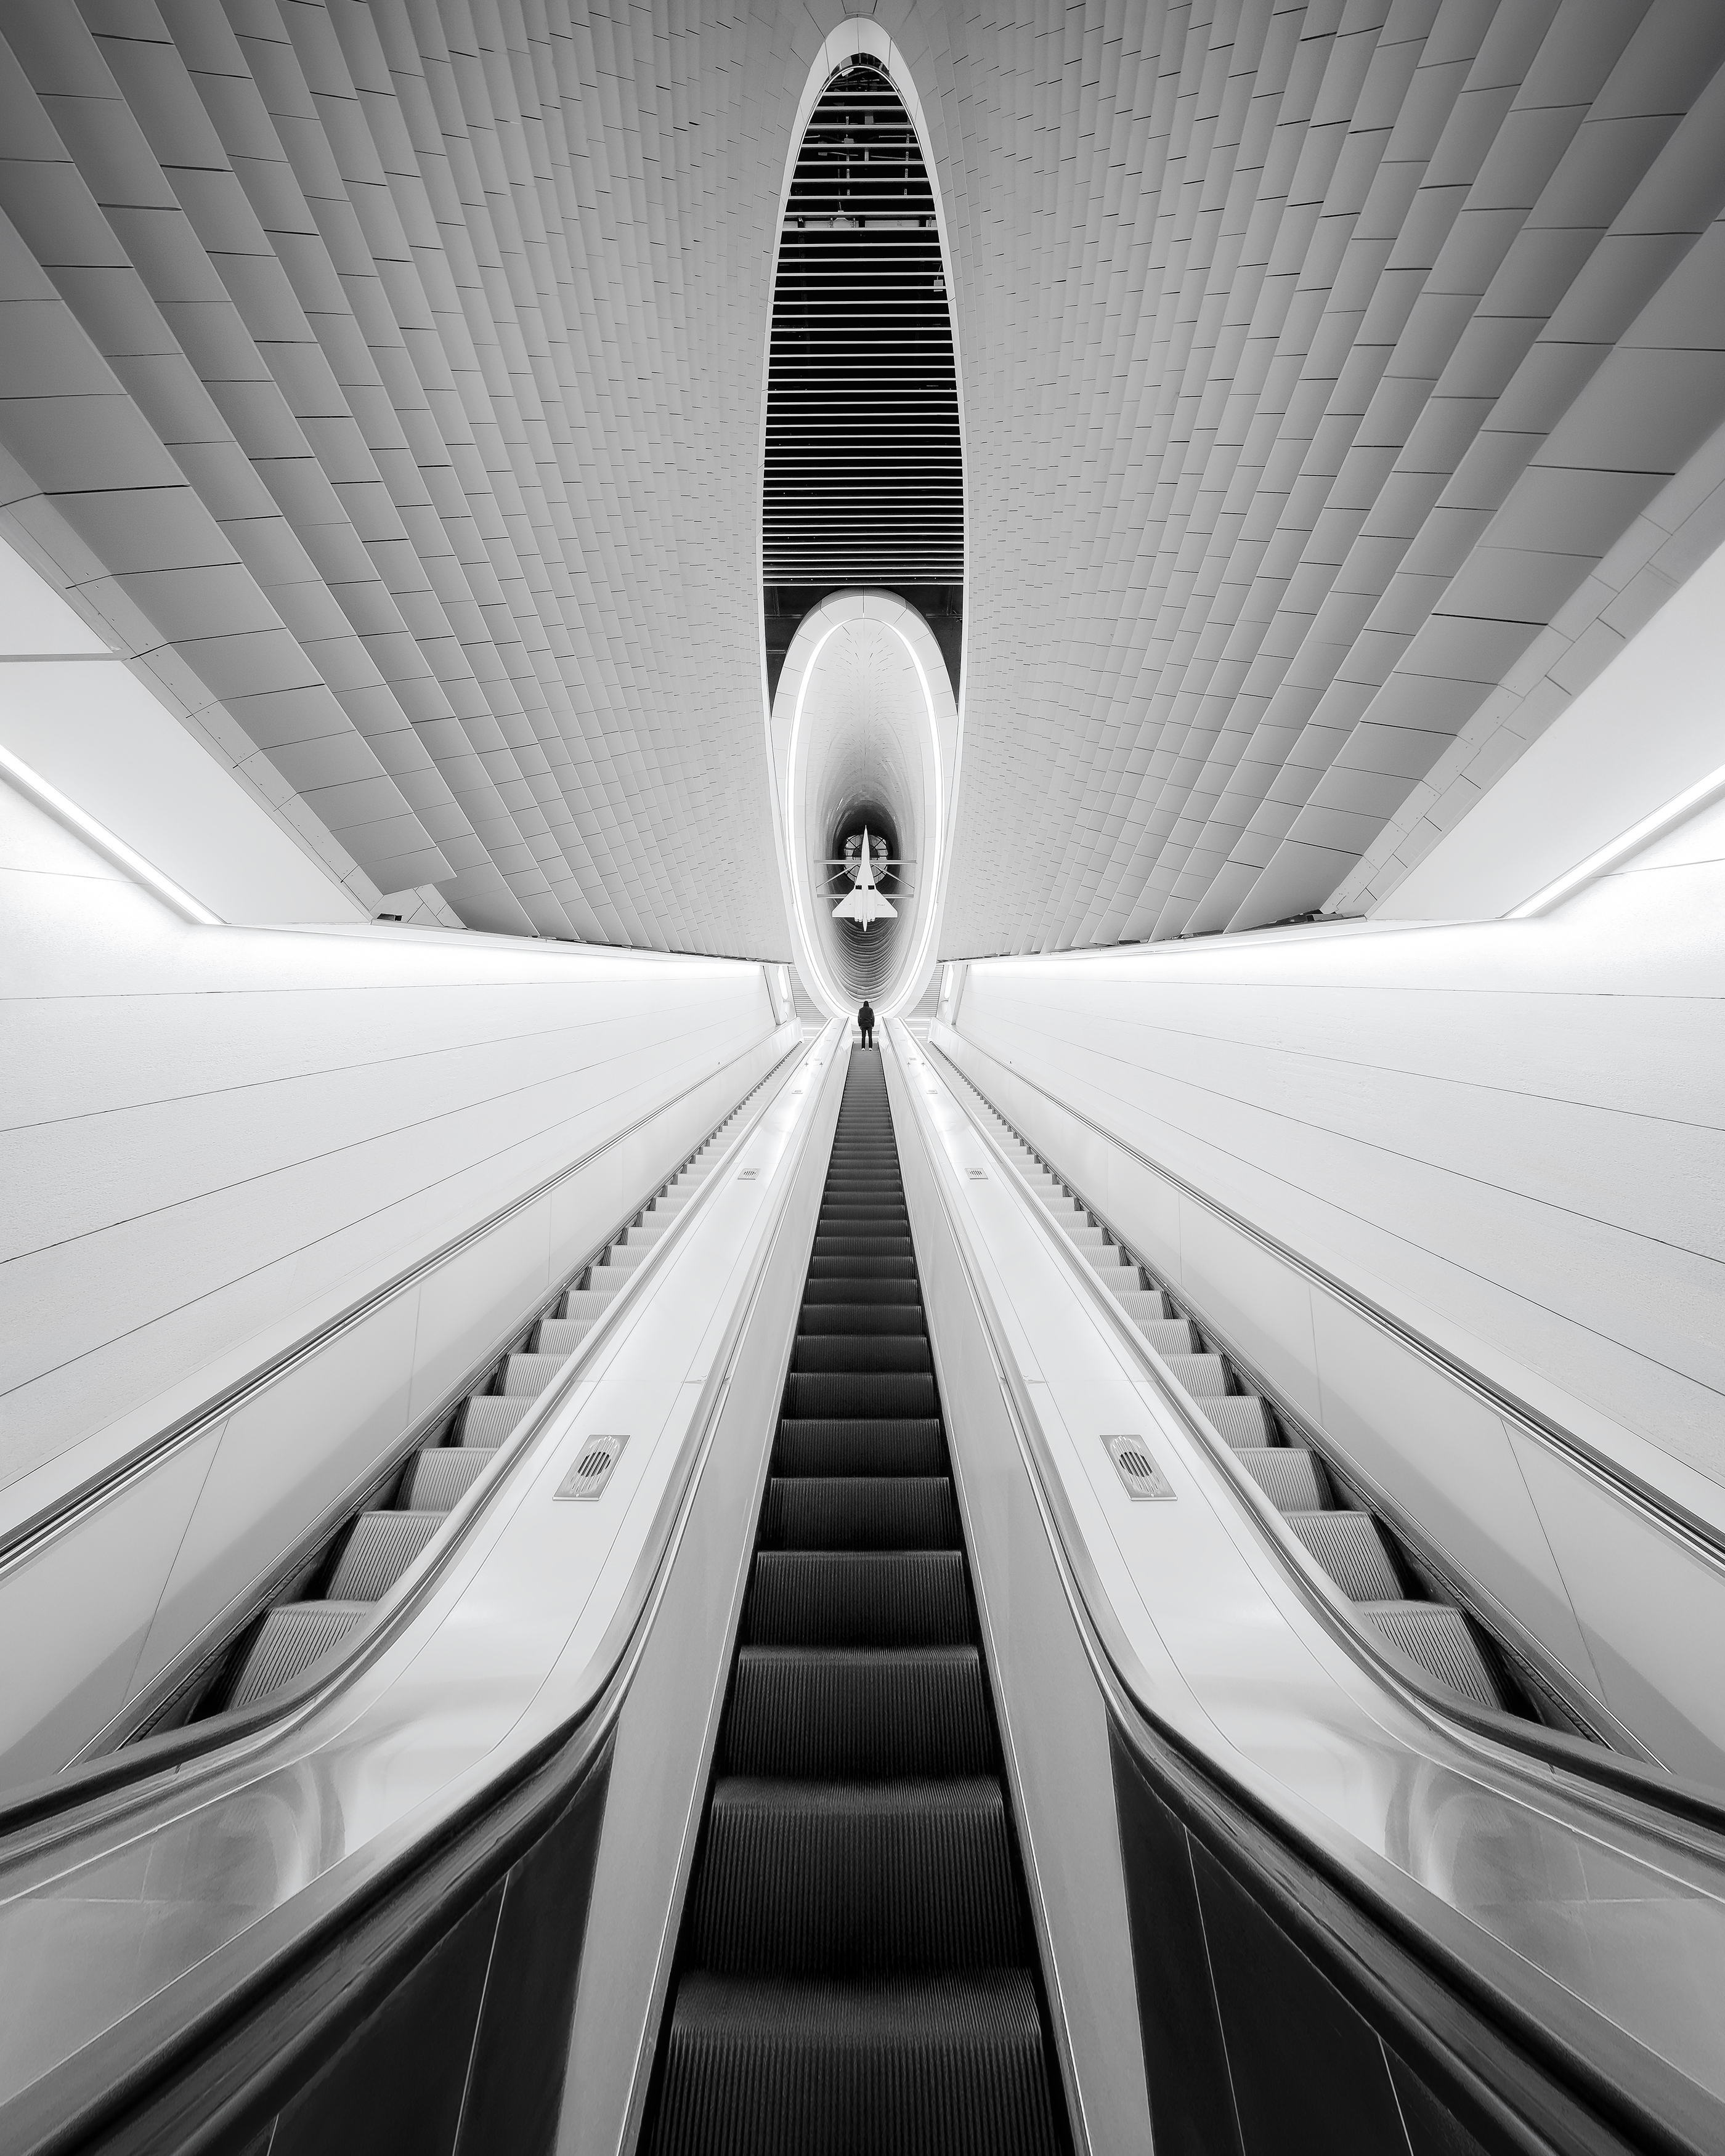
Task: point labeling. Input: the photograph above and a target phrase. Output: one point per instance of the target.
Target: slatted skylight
(863, 481)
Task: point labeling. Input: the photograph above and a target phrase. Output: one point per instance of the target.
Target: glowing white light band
(931, 883)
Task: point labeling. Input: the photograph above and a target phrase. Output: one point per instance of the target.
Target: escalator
(1242, 1900)
(1392, 1589)
(857, 1970)
(384, 1539)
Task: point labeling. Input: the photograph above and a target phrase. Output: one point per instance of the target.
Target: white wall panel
(1508, 1137)
(218, 1139)
(208, 1129)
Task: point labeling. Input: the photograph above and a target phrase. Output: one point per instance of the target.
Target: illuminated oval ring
(859, 34)
(789, 746)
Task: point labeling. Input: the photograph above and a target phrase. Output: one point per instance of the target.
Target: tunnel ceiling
(867, 744)
(1339, 391)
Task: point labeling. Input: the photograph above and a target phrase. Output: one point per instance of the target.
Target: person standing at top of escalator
(865, 1019)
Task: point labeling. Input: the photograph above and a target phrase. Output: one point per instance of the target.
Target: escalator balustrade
(1349, 1543)
(376, 1546)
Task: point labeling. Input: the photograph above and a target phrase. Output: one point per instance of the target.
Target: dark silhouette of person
(865, 1019)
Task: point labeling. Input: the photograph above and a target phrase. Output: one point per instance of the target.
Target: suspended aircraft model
(865, 902)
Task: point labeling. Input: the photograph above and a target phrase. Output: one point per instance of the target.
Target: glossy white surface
(1595, 771)
(1052, 1723)
(516, 1635)
(1529, 1877)
(669, 1728)
(1508, 1137)
(218, 1141)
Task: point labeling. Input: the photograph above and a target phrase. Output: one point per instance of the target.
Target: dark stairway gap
(857, 1971)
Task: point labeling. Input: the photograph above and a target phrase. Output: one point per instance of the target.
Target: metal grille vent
(864, 480)
(592, 1471)
(1139, 1472)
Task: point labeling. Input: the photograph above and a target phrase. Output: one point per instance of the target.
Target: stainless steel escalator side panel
(1584, 1548)
(1584, 1911)
(669, 1724)
(510, 1426)
(231, 1864)
(1218, 1424)
(1054, 1725)
(131, 1553)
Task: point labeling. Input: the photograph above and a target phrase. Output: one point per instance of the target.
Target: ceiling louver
(864, 480)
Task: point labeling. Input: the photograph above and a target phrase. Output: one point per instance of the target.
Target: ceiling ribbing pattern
(355, 367)
(1312, 365)
(1338, 383)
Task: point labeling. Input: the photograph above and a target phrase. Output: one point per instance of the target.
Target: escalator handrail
(62, 1798)
(1595, 2057)
(1700, 1537)
(26, 1537)
(441, 1869)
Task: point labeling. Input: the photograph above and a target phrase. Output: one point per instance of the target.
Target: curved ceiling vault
(1334, 403)
(862, 527)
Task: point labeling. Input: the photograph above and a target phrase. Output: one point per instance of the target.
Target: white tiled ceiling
(1340, 384)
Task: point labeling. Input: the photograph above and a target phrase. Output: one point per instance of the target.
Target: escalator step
(379, 1548)
(1352, 1550)
(1436, 1636)
(857, 1266)
(860, 1512)
(1205, 1376)
(1289, 1476)
(897, 1445)
(834, 1878)
(887, 1445)
(848, 1246)
(438, 1478)
(292, 1637)
(907, 2066)
(1170, 1336)
(861, 1351)
(858, 1598)
(843, 1293)
(1242, 1422)
(487, 1419)
(823, 1393)
(525, 1376)
(831, 1318)
(852, 1713)
(562, 1336)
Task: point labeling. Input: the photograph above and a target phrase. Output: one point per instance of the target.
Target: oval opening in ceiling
(862, 532)
(864, 471)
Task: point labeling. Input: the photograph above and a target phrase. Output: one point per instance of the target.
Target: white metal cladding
(1340, 388)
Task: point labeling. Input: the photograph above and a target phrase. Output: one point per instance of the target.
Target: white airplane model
(865, 903)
